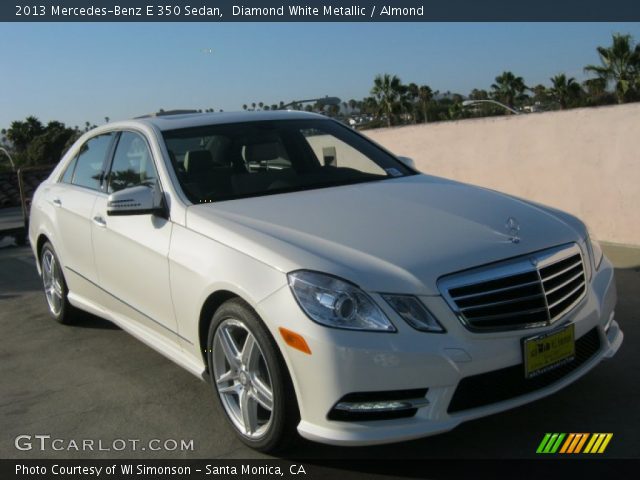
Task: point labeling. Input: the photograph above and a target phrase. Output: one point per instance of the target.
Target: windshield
(237, 160)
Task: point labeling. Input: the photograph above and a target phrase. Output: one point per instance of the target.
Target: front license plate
(548, 351)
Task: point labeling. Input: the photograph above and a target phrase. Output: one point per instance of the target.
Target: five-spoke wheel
(250, 378)
(242, 378)
(52, 279)
(55, 287)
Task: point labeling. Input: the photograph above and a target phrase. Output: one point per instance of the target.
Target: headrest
(197, 161)
(258, 152)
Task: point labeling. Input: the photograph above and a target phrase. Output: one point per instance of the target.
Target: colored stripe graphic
(573, 443)
(591, 442)
(607, 439)
(598, 442)
(543, 443)
(555, 447)
(567, 443)
(581, 442)
(550, 443)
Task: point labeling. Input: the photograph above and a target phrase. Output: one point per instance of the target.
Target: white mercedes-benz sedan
(319, 283)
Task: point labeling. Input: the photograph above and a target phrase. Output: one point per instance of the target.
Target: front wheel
(250, 378)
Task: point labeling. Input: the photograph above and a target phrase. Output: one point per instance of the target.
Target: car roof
(187, 120)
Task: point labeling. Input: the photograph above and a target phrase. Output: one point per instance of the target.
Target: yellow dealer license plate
(548, 351)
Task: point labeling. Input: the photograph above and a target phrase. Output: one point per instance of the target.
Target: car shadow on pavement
(87, 320)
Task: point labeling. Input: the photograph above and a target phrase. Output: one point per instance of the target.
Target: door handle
(57, 202)
(99, 221)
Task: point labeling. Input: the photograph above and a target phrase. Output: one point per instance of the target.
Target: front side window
(67, 176)
(223, 162)
(132, 163)
(88, 168)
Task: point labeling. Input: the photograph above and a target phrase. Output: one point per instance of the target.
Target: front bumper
(344, 362)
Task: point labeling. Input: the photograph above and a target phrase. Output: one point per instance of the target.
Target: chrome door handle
(57, 202)
(99, 221)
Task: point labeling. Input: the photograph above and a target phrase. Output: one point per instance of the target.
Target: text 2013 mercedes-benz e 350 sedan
(320, 283)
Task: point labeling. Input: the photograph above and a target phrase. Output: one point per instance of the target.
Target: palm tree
(387, 90)
(620, 64)
(540, 93)
(596, 91)
(369, 105)
(21, 134)
(253, 105)
(508, 88)
(261, 104)
(425, 95)
(244, 106)
(564, 90)
(478, 94)
(410, 95)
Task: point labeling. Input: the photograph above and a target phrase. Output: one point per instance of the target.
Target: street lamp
(324, 101)
(13, 165)
(468, 103)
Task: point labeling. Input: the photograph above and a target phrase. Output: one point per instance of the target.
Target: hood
(394, 236)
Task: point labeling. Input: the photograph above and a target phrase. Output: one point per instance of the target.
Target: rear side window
(88, 168)
(132, 163)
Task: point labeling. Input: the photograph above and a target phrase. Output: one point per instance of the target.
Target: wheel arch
(209, 308)
(42, 239)
(211, 304)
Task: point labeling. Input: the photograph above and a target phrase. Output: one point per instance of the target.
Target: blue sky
(84, 72)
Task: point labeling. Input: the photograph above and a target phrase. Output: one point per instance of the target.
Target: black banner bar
(345, 469)
(317, 11)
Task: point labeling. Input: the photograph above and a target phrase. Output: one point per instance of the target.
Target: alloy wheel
(52, 280)
(242, 378)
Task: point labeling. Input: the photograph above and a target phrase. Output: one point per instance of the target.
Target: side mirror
(409, 162)
(140, 200)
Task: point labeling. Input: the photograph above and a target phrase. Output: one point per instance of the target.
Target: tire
(55, 287)
(244, 366)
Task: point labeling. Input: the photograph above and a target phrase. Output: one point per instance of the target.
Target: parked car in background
(319, 283)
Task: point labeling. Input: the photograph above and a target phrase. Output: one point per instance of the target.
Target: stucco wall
(583, 161)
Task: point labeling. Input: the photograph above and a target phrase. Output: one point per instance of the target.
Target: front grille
(530, 291)
(507, 383)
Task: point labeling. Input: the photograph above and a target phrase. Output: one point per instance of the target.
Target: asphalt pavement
(93, 381)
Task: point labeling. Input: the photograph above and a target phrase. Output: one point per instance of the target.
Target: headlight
(336, 303)
(596, 251)
(414, 313)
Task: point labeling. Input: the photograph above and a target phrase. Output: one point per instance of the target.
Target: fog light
(375, 406)
(610, 321)
(379, 405)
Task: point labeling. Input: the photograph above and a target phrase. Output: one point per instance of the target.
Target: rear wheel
(55, 286)
(250, 378)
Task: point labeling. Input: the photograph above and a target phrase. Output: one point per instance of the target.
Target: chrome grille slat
(504, 302)
(559, 275)
(554, 289)
(558, 302)
(510, 314)
(489, 292)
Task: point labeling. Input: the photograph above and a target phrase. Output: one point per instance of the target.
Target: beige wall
(583, 161)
